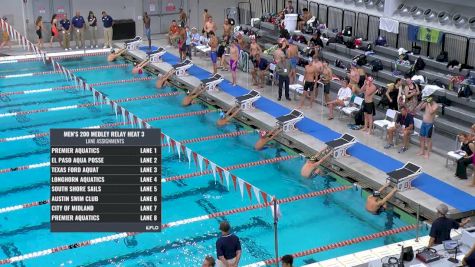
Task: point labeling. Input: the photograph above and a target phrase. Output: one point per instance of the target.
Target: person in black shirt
(92, 22)
(316, 39)
(466, 150)
(228, 246)
(405, 125)
(441, 227)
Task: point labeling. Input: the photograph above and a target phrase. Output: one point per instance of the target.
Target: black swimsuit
(39, 33)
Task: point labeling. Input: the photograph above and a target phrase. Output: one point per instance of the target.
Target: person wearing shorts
(233, 61)
(146, 24)
(426, 129)
(213, 44)
(369, 109)
(308, 86)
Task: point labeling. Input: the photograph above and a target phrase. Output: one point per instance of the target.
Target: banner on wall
(170, 7)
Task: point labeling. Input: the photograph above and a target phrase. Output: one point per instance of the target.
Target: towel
(412, 33)
(429, 35)
(389, 25)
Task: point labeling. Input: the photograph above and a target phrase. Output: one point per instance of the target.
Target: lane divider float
(67, 87)
(122, 100)
(340, 244)
(113, 237)
(116, 66)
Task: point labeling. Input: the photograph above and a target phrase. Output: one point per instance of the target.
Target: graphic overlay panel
(105, 180)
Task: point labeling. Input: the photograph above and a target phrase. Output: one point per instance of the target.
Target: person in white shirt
(195, 39)
(342, 100)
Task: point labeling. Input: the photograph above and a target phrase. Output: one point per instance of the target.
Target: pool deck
(365, 174)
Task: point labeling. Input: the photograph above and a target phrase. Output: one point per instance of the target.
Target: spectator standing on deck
(309, 85)
(228, 247)
(210, 26)
(107, 22)
(369, 109)
(54, 31)
(5, 37)
(234, 59)
(409, 95)
(66, 30)
(92, 22)
(39, 31)
(182, 17)
(227, 29)
(283, 69)
(430, 107)
(441, 227)
(261, 67)
(205, 19)
(326, 78)
(146, 24)
(213, 45)
(78, 23)
(293, 56)
(287, 261)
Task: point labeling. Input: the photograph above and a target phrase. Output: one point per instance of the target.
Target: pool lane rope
(115, 66)
(67, 87)
(93, 104)
(194, 140)
(340, 244)
(187, 141)
(111, 125)
(61, 55)
(109, 238)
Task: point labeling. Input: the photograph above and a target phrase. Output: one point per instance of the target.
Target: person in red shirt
(173, 33)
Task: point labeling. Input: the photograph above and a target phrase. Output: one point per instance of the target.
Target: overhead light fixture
(417, 12)
(359, 2)
(349, 1)
(471, 23)
(430, 15)
(369, 3)
(459, 20)
(444, 18)
(380, 5)
(403, 9)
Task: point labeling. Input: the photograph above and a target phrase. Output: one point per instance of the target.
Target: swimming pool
(304, 224)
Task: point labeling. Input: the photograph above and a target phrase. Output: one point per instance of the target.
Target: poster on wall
(60, 11)
(171, 6)
(152, 7)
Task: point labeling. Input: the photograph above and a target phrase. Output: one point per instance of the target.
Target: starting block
(180, 68)
(287, 122)
(133, 44)
(402, 178)
(212, 82)
(155, 55)
(341, 144)
(246, 101)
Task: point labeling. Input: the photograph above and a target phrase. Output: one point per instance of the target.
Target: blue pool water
(304, 225)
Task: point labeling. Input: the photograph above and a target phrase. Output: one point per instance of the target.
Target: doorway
(162, 12)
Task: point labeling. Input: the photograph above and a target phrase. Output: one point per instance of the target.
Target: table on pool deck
(442, 262)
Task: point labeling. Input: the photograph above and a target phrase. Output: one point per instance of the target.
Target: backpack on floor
(376, 65)
(350, 43)
(419, 64)
(464, 91)
(360, 60)
(442, 57)
(381, 41)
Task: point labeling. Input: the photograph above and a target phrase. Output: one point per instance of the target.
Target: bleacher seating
(456, 118)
